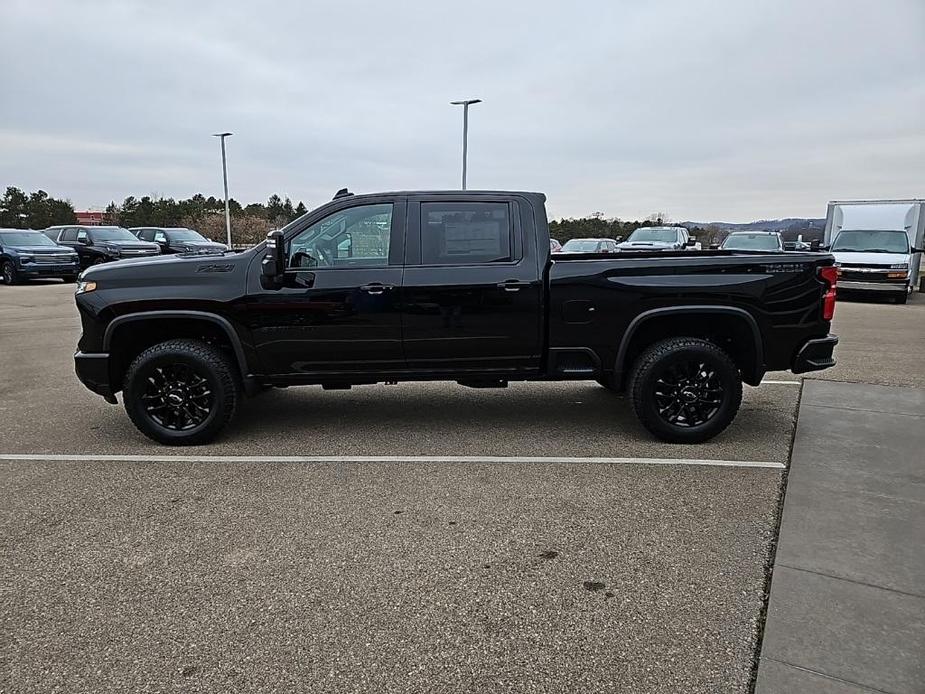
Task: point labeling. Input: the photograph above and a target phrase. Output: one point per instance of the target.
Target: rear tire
(685, 390)
(8, 273)
(181, 392)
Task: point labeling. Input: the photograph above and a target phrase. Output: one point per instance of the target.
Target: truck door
(472, 291)
(339, 308)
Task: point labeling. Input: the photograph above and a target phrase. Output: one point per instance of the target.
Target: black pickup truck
(454, 286)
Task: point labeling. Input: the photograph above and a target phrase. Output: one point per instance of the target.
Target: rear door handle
(376, 288)
(512, 285)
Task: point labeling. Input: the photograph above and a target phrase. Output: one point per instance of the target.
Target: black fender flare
(741, 313)
(218, 320)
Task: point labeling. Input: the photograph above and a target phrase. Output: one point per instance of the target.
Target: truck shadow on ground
(569, 419)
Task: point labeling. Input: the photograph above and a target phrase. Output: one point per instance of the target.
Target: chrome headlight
(112, 250)
(26, 258)
(84, 286)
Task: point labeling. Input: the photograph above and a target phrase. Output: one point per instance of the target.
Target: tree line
(36, 210)
(250, 223)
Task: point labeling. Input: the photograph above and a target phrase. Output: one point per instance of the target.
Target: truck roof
(448, 193)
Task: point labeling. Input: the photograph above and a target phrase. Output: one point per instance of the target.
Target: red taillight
(829, 275)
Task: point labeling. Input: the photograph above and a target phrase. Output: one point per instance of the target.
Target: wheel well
(130, 339)
(733, 334)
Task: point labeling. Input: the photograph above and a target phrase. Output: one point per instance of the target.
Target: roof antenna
(342, 193)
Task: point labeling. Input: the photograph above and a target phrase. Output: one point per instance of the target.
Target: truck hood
(885, 259)
(154, 267)
(146, 245)
(200, 245)
(641, 245)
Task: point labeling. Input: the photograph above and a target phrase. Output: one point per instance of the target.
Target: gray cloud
(706, 110)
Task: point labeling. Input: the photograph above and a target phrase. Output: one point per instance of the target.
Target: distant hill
(789, 228)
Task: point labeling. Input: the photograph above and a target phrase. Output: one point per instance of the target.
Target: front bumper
(39, 271)
(896, 287)
(93, 372)
(815, 355)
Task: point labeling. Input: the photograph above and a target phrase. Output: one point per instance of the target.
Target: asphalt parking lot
(246, 575)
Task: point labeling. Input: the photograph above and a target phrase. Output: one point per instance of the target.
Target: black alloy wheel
(685, 389)
(177, 397)
(181, 392)
(688, 393)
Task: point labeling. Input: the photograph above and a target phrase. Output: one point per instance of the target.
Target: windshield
(185, 235)
(25, 238)
(580, 246)
(868, 241)
(111, 234)
(752, 242)
(659, 235)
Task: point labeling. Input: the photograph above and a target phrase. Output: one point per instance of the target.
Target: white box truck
(877, 244)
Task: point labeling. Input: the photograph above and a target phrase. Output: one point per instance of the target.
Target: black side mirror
(815, 245)
(273, 265)
(83, 240)
(916, 250)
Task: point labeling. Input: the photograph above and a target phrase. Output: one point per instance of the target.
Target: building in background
(90, 218)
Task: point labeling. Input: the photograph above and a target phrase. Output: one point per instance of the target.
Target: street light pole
(465, 104)
(225, 179)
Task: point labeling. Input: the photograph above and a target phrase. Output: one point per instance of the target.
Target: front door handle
(512, 285)
(376, 288)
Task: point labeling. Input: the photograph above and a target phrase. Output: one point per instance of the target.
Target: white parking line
(781, 383)
(63, 457)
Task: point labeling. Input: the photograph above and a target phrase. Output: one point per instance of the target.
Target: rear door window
(465, 233)
(69, 235)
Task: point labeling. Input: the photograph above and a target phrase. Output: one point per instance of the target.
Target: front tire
(8, 273)
(181, 392)
(685, 390)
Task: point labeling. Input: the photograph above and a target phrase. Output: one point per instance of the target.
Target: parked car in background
(589, 246)
(797, 245)
(178, 240)
(554, 246)
(877, 244)
(95, 245)
(26, 254)
(659, 239)
(753, 241)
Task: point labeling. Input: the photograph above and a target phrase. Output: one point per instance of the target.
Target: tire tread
(644, 365)
(218, 363)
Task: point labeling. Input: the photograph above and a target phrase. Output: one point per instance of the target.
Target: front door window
(356, 237)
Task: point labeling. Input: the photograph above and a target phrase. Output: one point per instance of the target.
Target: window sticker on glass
(463, 233)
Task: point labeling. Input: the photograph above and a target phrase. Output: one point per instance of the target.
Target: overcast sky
(734, 110)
